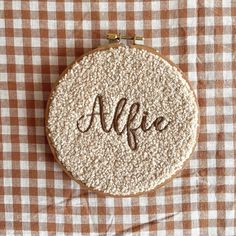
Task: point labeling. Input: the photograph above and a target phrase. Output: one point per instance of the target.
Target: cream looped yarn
(122, 120)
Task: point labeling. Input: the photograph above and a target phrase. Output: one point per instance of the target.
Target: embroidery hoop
(117, 37)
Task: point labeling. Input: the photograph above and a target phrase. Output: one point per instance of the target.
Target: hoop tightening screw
(118, 37)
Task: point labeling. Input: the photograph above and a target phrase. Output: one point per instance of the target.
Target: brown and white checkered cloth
(38, 39)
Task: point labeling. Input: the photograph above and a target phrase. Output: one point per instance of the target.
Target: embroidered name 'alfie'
(159, 123)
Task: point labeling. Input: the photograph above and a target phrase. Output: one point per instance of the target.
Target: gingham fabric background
(38, 39)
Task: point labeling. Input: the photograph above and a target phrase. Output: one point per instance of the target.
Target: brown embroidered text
(159, 123)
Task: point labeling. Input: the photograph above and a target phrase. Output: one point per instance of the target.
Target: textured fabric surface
(38, 39)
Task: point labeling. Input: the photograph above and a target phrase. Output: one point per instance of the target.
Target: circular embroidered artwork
(122, 120)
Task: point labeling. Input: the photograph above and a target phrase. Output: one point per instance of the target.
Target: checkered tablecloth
(38, 39)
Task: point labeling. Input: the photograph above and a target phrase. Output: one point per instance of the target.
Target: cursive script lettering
(159, 123)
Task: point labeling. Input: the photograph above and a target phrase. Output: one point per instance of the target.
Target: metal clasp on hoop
(113, 37)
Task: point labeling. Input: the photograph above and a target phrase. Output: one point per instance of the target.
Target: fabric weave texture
(38, 39)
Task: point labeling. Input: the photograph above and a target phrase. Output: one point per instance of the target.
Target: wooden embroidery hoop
(116, 38)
